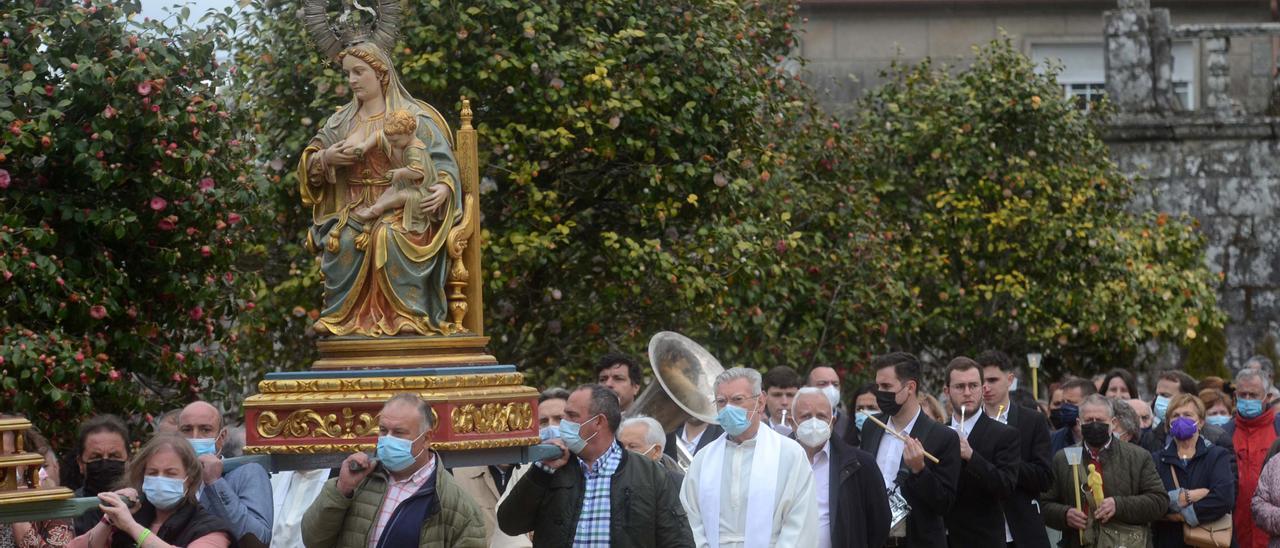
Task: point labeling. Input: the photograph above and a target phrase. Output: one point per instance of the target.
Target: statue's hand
(339, 154)
(437, 197)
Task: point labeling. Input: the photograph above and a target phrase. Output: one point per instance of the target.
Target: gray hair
(1098, 400)
(730, 375)
(653, 430)
(424, 408)
(553, 393)
(1126, 417)
(808, 391)
(1246, 374)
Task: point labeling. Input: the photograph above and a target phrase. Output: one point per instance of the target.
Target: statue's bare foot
(365, 214)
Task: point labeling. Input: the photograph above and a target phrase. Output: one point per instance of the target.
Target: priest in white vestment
(751, 487)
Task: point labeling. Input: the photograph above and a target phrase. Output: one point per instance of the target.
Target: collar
(910, 426)
(967, 427)
(824, 452)
(418, 478)
(1095, 454)
(1003, 417)
(606, 464)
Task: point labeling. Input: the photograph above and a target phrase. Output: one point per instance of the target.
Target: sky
(155, 9)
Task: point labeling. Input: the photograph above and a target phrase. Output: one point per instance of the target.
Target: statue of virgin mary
(380, 277)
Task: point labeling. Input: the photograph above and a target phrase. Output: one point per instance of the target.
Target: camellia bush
(127, 204)
(1016, 228)
(646, 166)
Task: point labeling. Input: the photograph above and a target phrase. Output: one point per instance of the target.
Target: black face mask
(1096, 434)
(102, 475)
(888, 402)
(1064, 416)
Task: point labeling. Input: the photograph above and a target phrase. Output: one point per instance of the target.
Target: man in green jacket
(595, 494)
(1133, 495)
(403, 499)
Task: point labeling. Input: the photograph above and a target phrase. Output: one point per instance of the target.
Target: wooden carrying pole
(886, 428)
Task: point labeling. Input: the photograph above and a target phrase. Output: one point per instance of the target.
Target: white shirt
(795, 514)
(969, 420)
(821, 464)
(1004, 419)
(889, 455)
(690, 445)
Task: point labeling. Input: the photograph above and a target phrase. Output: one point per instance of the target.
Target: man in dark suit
(929, 488)
(989, 451)
(853, 511)
(693, 434)
(1024, 525)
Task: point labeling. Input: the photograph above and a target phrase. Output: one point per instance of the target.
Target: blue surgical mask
(734, 419)
(396, 453)
(571, 434)
(549, 432)
(859, 418)
(1218, 420)
(204, 446)
(1160, 408)
(1249, 408)
(163, 493)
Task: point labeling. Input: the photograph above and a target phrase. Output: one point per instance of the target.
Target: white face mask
(833, 395)
(813, 433)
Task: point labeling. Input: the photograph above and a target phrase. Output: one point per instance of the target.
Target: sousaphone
(684, 374)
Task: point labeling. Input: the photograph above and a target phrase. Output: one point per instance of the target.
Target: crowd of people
(791, 460)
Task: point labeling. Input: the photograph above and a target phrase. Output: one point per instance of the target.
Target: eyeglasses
(740, 401)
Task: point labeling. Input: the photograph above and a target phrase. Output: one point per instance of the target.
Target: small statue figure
(409, 166)
(1095, 485)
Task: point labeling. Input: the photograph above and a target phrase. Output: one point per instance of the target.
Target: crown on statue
(378, 22)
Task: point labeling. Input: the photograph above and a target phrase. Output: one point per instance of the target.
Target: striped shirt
(593, 523)
(397, 492)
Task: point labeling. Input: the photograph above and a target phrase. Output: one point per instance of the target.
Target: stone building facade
(1193, 82)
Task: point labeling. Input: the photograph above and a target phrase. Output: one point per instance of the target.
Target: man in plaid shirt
(595, 494)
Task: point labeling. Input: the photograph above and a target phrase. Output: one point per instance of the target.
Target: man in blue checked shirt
(595, 494)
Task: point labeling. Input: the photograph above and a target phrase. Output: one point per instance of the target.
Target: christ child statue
(410, 164)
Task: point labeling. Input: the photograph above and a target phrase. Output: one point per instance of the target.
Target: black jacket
(645, 509)
(986, 481)
(1035, 474)
(857, 505)
(931, 492)
(846, 428)
(709, 435)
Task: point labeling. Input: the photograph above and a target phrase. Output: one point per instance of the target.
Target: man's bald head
(199, 420)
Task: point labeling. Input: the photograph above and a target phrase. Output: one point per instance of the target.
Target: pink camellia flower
(7, 275)
(180, 357)
(109, 112)
(155, 108)
(144, 88)
(4, 179)
(168, 223)
(113, 375)
(205, 251)
(97, 312)
(196, 313)
(206, 184)
(233, 218)
(158, 203)
(79, 356)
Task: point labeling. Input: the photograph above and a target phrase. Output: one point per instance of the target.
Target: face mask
(549, 432)
(101, 475)
(1160, 407)
(734, 419)
(1249, 408)
(813, 432)
(163, 493)
(397, 453)
(887, 401)
(1096, 434)
(648, 452)
(860, 418)
(1182, 428)
(833, 395)
(1219, 420)
(781, 429)
(204, 446)
(571, 434)
(1065, 416)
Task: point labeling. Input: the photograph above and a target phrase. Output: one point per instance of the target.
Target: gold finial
(466, 113)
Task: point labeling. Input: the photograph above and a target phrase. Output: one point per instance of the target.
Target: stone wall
(1227, 175)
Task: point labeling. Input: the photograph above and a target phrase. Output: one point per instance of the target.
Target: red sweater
(1252, 438)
